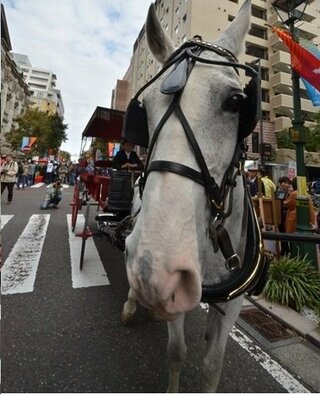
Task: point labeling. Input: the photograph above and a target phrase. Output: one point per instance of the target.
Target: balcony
(277, 44)
(281, 83)
(281, 123)
(282, 105)
(280, 61)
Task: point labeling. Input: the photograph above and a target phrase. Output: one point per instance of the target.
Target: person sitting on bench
(126, 158)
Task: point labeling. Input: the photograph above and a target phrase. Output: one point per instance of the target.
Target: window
(255, 142)
(176, 30)
(266, 115)
(258, 32)
(184, 17)
(234, 1)
(265, 95)
(177, 11)
(230, 18)
(259, 12)
(256, 51)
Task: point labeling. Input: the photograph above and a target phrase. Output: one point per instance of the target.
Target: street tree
(49, 130)
(312, 137)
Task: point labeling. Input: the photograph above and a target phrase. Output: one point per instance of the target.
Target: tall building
(42, 85)
(183, 19)
(14, 90)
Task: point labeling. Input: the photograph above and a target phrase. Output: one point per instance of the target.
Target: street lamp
(290, 11)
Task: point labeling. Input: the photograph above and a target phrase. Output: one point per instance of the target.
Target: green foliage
(292, 281)
(65, 155)
(312, 137)
(283, 140)
(49, 130)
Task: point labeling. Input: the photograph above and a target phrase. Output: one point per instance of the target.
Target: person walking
(49, 173)
(19, 175)
(25, 172)
(31, 172)
(9, 170)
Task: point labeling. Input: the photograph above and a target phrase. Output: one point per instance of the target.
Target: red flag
(302, 61)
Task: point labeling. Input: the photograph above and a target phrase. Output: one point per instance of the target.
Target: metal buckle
(233, 262)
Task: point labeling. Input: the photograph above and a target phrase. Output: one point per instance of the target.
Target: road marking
(93, 273)
(5, 219)
(281, 375)
(20, 268)
(38, 185)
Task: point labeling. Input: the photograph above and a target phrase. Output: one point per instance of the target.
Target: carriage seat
(120, 192)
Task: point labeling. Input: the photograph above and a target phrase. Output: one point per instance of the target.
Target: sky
(86, 43)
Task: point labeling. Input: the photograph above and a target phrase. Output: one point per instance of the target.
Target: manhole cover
(265, 325)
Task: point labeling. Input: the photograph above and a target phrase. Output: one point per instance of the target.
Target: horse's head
(192, 109)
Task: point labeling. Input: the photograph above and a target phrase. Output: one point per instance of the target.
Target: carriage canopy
(105, 123)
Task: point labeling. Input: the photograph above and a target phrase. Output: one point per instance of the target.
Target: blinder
(135, 127)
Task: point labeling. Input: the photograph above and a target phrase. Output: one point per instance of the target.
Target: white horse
(171, 253)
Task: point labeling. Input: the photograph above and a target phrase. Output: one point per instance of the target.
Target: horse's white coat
(169, 253)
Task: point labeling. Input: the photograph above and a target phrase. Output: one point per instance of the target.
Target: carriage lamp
(290, 11)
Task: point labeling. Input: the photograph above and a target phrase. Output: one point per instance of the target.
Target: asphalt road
(57, 338)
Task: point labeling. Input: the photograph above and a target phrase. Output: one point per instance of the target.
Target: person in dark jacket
(126, 158)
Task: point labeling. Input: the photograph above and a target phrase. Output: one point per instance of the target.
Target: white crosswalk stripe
(93, 273)
(19, 273)
(5, 219)
(40, 184)
(20, 269)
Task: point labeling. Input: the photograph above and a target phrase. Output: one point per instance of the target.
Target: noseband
(220, 198)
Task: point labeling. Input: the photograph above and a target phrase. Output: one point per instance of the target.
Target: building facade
(42, 85)
(14, 90)
(183, 19)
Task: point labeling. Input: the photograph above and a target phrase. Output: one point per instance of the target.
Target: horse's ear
(159, 42)
(233, 37)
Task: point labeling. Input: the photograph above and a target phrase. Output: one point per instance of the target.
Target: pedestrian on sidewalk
(9, 170)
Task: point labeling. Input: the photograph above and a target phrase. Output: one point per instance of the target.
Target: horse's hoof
(126, 319)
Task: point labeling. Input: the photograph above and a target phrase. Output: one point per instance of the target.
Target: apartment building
(42, 85)
(183, 19)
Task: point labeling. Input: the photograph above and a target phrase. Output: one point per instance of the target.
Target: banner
(27, 143)
(303, 62)
(313, 93)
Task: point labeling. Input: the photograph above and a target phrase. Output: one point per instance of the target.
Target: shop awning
(105, 123)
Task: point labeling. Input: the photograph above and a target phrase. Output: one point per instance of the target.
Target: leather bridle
(220, 197)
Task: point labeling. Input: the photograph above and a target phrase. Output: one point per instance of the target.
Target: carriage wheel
(76, 206)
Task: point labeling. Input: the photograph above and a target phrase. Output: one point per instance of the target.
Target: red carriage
(95, 177)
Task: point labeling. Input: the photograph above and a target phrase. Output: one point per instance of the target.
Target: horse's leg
(176, 352)
(217, 331)
(129, 308)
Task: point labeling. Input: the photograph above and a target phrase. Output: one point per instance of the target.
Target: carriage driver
(126, 158)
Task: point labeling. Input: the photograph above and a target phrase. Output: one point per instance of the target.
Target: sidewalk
(289, 318)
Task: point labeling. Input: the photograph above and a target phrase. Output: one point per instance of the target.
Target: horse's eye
(233, 103)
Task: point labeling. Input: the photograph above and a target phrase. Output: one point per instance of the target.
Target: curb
(289, 318)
